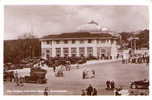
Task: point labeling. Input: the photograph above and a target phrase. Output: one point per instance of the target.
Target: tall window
(48, 53)
(73, 51)
(90, 51)
(66, 51)
(81, 51)
(58, 52)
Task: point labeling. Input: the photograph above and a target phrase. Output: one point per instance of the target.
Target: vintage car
(88, 73)
(37, 75)
(142, 84)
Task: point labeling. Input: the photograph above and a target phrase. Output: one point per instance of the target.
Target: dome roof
(91, 26)
(105, 29)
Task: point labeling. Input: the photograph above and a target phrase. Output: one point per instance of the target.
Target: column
(69, 52)
(85, 49)
(95, 51)
(53, 49)
(77, 51)
(62, 52)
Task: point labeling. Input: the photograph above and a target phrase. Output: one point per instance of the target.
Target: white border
(69, 2)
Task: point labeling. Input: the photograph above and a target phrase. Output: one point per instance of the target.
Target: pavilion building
(88, 40)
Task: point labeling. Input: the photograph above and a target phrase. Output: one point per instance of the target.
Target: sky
(44, 20)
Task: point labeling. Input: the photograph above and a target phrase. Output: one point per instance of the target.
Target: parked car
(37, 75)
(142, 84)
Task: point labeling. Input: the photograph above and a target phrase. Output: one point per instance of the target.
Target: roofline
(77, 38)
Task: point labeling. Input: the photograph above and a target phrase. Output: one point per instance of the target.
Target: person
(54, 68)
(93, 72)
(83, 75)
(89, 90)
(77, 66)
(16, 78)
(94, 92)
(116, 92)
(108, 84)
(46, 91)
(112, 84)
(83, 92)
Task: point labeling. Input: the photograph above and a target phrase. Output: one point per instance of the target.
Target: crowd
(110, 85)
(89, 91)
(136, 59)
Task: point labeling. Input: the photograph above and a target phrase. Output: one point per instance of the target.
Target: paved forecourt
(72, 82)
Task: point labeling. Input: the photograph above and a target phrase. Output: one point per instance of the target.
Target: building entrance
(103, 53)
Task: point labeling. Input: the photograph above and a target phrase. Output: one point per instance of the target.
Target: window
(73, 41)
(90, 51)
(73, 51)
(81, 41)
(81, 50)
(48, 42)
(65, 41)
(65, 51)
(48, 53)
(57, 41)
(89, 41)
(58, 51)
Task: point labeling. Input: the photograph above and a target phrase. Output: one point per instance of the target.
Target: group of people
(46, 91)
(137, 59)
(89, 91)
(110, 85)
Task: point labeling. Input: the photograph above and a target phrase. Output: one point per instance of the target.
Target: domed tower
(91, 26)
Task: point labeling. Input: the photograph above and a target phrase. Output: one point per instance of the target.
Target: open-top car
(142, 84)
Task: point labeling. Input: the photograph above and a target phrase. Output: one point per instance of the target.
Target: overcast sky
(44, 20)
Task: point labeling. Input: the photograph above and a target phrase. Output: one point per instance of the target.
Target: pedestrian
(83, 75)
(54, 68)
(83, 92)
(89, 90)
(93, 72)
(77, 66)
(112, 84)
(116, 92)
(94, 92)
(46, 92)
(108, 84)
(17, 78)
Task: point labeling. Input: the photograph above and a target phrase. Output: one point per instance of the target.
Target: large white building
(89, 40)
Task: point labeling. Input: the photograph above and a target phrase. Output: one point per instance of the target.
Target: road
(72, 82)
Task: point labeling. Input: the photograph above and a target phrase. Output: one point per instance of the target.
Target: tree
(26, 46)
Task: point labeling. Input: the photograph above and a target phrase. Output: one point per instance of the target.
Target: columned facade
(89, 40)
(75, 47)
